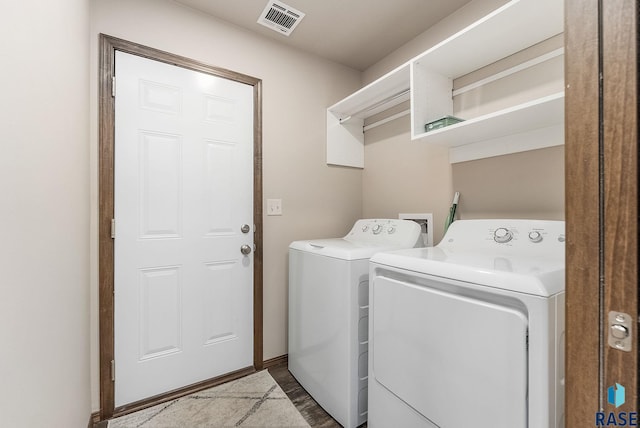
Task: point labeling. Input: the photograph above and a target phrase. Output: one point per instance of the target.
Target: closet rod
(509, 71)
(378, 104)
(385, 120)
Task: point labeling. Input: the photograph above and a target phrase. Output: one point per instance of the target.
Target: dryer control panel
(502, 235)
(511, 236)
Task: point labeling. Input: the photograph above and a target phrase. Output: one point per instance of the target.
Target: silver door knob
(245, 249)
(245, 228)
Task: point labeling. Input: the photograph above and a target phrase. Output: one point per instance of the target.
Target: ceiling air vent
(280, 17)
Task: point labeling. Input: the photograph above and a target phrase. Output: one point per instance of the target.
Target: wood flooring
(306, 405)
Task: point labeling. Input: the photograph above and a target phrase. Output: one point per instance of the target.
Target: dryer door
(458, 361)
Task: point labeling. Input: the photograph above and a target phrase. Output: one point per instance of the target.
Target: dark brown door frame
(601, 116)
(108, 46)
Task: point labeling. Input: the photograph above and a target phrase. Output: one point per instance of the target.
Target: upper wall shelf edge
(539, 113)
(377, 96)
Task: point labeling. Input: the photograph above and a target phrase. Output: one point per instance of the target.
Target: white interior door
(183, 190)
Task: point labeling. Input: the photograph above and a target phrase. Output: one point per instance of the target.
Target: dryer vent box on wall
(425, 220)
(280, 17)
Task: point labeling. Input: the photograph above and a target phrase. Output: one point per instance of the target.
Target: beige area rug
(252, 401)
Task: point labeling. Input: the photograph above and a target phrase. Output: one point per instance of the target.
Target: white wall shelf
(540, 113)
(533, 125)
(428, 78)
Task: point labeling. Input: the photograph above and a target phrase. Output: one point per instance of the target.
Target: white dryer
(328, 313)
(470, 333)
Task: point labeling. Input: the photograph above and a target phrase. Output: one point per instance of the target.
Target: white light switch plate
(274, 206)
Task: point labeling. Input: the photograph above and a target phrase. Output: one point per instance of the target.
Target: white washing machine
(328, 313)
(470, 333)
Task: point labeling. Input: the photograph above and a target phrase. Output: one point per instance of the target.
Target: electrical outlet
(274, 206)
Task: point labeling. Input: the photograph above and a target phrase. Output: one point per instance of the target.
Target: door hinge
(113, 86)
(113, 371)
(113, 228)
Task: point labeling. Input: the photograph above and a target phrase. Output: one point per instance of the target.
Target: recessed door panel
(219, 303)
(160, 97)
(220, 109)
(160, 181)
(220, 158)
(160, 307)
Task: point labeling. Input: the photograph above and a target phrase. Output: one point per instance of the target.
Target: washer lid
(340, 248)
(540, 276)
(366, 237)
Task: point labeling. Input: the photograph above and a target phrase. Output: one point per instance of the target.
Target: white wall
(44, 172)
(403, 176)
(520, 185)
(318, 200)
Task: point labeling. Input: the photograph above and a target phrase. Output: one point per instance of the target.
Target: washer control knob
(535, 236)
(391, 230)
(377, 229)
(502, 235)
(365, 228)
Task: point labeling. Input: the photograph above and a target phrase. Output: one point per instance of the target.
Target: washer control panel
(384, 230)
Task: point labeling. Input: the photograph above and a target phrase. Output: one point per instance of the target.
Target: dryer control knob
(377, 229)
(535, 236)
(365, 228)
(502, 235)
(391, 230)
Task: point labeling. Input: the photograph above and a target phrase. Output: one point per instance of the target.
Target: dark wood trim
(282, 359)
(258, 331)
(181, 392)
(94, 420)
(97, 423)
(582, 119)
(122, 45)
(601, 116)
(105, 214)
(620, 173)
(108, 46)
